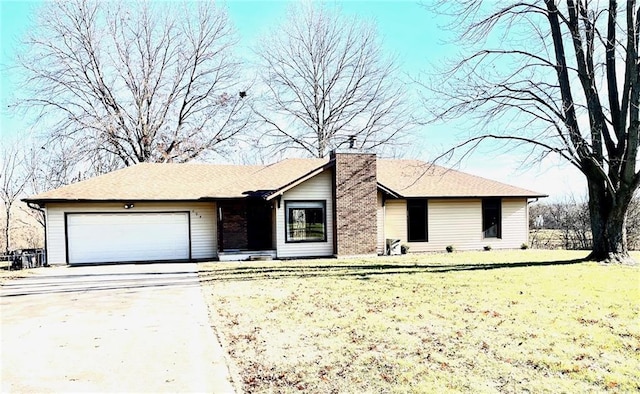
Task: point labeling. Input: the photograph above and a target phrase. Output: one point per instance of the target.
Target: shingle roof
(414, 178)
(154, 181)
(148, 182)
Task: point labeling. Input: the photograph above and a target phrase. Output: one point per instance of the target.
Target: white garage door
(126, 237)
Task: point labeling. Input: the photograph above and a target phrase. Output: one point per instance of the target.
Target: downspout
(384, 221)
(44, 214)
(384, 227)
(528, 229)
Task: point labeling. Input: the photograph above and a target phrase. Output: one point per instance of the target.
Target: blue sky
(408, 30)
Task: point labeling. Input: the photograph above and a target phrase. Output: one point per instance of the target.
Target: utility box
(393, 247)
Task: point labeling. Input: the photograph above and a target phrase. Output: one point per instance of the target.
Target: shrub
(487, 248)
(404, 248)
(524, 246)
(450, 248)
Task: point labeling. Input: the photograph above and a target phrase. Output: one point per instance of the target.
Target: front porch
(246, 230)
(247, 255)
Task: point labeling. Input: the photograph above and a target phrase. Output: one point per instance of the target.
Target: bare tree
(633, 223)
(13, 181)
(329, 84)
(567, 224)
(561, 78)
(47, 167)
(129, 82)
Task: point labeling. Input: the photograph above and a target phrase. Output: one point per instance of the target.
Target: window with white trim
(305, 221)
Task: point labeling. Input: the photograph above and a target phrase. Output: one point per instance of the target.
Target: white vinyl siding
(458, 222)
(395, 220)
(453, 222)
(380, 241)
(515, 222)
(202, 218)
(317, 188)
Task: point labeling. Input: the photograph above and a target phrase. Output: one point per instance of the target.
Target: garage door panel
(99, 238)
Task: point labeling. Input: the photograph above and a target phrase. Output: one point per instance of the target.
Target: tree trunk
(6, 229)
(608, 224)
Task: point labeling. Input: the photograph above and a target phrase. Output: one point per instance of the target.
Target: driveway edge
(235, 377)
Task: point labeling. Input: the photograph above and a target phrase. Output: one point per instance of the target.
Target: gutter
(534, 201)
(389, 191)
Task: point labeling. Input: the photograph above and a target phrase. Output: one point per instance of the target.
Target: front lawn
(515, 321)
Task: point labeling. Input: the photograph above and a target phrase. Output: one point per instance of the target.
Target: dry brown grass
(517, 321)
(6, 274)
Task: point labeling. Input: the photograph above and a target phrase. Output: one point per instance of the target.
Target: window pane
(491, 219)
(417, 220)
(305, 221)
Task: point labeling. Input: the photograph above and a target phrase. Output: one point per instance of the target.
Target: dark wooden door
(259, 225)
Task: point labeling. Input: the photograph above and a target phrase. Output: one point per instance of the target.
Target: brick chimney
(355, 202)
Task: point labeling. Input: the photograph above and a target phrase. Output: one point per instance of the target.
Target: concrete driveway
(118, 328)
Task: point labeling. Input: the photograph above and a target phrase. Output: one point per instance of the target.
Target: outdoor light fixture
(128, 205)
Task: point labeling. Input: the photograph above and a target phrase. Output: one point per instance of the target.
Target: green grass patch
(500, 321)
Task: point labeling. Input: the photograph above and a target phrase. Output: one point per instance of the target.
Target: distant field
(500, 321)
(547, 239)
(556, 239)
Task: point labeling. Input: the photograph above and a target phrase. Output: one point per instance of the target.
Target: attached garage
(191, 212)
(127, 237)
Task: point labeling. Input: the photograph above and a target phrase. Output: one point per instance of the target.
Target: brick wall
(355, 203)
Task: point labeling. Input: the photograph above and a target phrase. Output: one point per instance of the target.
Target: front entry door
(259, 225)
(245, 225)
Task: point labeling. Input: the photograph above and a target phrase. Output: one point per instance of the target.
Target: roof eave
(389, 191)
(108, 200)
(481, 196)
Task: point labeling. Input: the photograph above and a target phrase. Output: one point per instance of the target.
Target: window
(306, 221)
(417, 221)
(491, 218)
